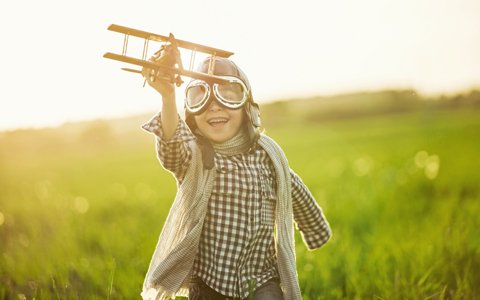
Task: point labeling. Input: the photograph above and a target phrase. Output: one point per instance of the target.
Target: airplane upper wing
(161, 38)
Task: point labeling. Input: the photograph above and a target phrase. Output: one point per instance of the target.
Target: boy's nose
(214, 105)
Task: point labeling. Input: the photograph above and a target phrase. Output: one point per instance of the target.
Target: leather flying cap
(226, 67)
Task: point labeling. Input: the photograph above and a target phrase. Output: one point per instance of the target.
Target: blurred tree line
(365, 104)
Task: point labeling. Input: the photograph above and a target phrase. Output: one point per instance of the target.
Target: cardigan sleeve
(308, 215)
(174, 154)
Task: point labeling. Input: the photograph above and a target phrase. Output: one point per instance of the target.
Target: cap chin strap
(253, 113)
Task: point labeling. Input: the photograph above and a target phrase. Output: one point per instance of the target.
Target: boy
(229, 233)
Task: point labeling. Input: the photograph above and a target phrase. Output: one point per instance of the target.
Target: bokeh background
(376, 105)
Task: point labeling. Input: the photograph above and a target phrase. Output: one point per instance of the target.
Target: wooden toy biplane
(167, 61)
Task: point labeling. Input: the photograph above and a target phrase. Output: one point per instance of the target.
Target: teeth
(214, 121)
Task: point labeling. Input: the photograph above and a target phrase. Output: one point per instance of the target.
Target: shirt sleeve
(174, 154)
(308, 215)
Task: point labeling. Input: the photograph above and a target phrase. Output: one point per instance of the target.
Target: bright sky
(53, 71)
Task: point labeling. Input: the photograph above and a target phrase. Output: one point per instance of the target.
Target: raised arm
(166, 89)
(172, 134)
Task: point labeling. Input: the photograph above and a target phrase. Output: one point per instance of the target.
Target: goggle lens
(196, 94)
(232, 92)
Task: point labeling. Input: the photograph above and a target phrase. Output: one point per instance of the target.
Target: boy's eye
(231, 91)
(196, 94)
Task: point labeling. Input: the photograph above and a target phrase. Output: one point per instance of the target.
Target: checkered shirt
(237, 249)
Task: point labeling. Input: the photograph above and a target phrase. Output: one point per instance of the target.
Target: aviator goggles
(232, 94)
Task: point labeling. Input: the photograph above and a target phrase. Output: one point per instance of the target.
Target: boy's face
(219, 124)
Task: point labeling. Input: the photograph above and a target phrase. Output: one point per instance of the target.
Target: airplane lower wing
(170, 70)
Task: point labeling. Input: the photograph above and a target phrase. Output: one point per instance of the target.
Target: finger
(152, 75)
(145, 71)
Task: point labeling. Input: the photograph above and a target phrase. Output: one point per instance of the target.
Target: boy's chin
(218, 135)
(217, 139)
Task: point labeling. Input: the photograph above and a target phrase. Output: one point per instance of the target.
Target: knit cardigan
(171, 265)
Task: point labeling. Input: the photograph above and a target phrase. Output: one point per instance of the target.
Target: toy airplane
(167, 60)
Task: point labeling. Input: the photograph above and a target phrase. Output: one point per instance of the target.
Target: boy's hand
(159, 81)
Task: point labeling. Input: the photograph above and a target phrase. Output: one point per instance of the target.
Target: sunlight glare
(429, 163)
(432, 166)
(143, 191)
(421, 159)
(362, 166)
(81, 204)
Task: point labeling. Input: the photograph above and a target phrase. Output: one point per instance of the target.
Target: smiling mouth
(217, 121)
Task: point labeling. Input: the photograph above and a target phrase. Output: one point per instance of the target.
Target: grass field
(80, 215)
